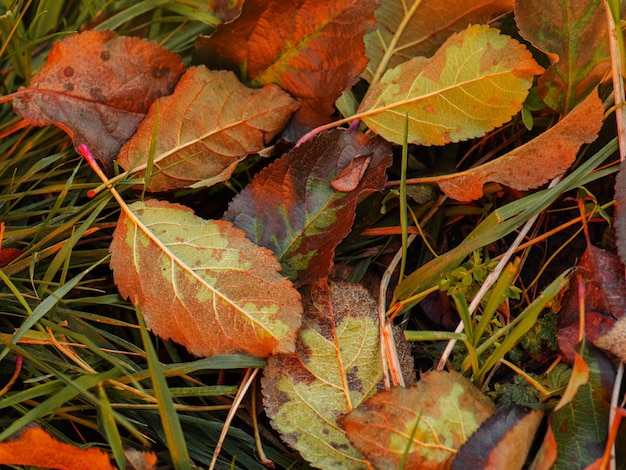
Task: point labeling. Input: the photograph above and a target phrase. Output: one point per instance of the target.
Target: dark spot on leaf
(160, 72)
(68, 71)
(67, 86)
(96, 93)
(105, 55)
(354, 381)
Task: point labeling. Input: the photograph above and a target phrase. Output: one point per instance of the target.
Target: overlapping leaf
(98, 86)
(303, 205)
(475, 82)
(335, 368)
(203, 283)
(574, 35)
(209, 124)
(414, 28)
(429, 422)
(312, 49)
(537, 161)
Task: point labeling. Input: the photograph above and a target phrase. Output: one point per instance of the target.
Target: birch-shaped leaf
(574, 35)
(98, 86)
(475, 82)
(414, 28)
(335, 368)
(209, 124)
(537, 161)
(202, 283)
(312, 49)
(303, 204)
(429, 422)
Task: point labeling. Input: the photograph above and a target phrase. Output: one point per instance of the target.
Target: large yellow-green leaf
(412, 28)
(203, 283)
(476, 81)
(336, 367)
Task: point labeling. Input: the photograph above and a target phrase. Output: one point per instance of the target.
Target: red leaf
(97, 87)
(7, 255)
(312, 49)
(293, 207)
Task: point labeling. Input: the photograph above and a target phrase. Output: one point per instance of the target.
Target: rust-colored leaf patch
(93, 90)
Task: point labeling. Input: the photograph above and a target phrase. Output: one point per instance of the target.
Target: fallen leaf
(314, 50)
(501, 442)
(335, 368)
(98, 86)
(7, 255)
(605, 301)
(574, 36)
(537, 161)
(138, 460)
(429, 422)
(35, 447)
(475, 82)
(202, 283)
(415, 28)
(292, 207)
(226, 10)
(209, 124)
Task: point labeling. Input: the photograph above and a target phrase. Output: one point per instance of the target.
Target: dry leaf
(536, 162)
(98, 86)
(312, 49)
(35, 447)
(226, 10)
(209, 124)
(202, 283)
(475, 82)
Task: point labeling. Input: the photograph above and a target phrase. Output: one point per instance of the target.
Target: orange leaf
(35, 447)
(209, 124)
(98, 86)
(536, 162)
(312, 49)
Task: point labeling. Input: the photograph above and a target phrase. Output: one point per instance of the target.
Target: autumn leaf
(35, 447)
(414, 28)
(335, 368)
(431, 419)
(574, 36)
(202, 283)
(226, 10)
(475, 82)
(312, 49)
(303, 204)
(537, 161)
(209, 124)
(98, 86)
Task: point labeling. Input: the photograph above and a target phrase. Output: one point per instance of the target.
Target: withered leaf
(336, 367)
(209, 124)
(203, 283)
(292, 207)
(98, 86)
(226, 10)
(312, 49)
(537, 161)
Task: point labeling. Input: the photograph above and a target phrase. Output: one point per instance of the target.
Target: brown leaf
(501, 442)
(209, 124)
(35, 447)
(536, 162)
(312, 49)
(98, 86)
(429, 421)
(292, 207)
(226, 10)
(605, 299)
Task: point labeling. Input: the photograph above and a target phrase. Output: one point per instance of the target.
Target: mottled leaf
(226, 10)
(209, 124)
(413, 28)
(98, 86)
(432, 420)
(580, 426)
(501, 442)
(537, 161)
(475, 82)
(335, 368)
(312, 49)
(294, 207)
(35, 447)
(574, 35)
(202, 283)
